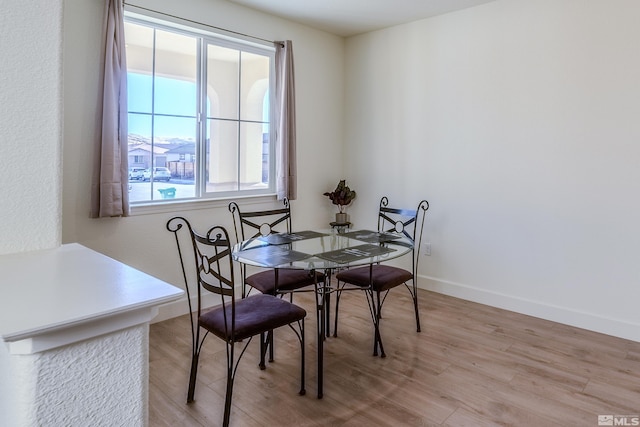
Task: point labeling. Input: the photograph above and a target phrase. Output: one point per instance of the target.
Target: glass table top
(321, 250)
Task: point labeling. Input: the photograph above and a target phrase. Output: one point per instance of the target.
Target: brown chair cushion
(384, 277)
(287, 280)
(255, 314)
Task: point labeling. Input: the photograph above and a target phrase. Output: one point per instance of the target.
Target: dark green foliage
(342, 195)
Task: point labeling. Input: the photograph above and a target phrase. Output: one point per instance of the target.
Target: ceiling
(350, 17)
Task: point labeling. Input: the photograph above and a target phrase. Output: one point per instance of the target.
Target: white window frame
(202, 198)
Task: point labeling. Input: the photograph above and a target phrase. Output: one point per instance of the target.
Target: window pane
(174, 137)
(266, 158)
(255, 84)
(222, 82)
(139, 131)
(252, 156)
(174, 129)
(139, 155)
(175, 74)
(222, 156)
(139, 65)
(169, 163)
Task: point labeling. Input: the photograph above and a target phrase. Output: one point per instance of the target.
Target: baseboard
(180, 307)
(593, 322)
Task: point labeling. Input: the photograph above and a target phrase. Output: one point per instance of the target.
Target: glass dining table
(325, 251)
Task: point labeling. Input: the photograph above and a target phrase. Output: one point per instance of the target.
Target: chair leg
(263, 350)
(303, 391)
(229, 393)
(374, 306)
(378, 337)
(270, 344)
(335, 320)
(415, 306)
(327, 315)
(192, 376)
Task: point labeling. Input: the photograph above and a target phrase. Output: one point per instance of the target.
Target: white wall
(142, 241)
(30, 125)
(518, 121)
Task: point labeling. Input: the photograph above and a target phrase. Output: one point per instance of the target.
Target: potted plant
(342, 196)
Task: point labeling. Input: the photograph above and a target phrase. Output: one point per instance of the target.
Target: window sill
(193, 204)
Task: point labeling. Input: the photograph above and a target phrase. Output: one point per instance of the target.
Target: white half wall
(518, 121)
(72, 386)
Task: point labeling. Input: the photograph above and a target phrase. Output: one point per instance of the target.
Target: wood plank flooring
(472, 365)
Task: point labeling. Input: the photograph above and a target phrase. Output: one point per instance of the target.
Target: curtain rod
(201, 23)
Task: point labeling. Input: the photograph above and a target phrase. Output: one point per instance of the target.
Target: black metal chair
(277, 281)
(234, 320)
(248, 225)
(377, 279)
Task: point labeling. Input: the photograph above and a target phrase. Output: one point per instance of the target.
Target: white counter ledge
(45, 292)
(75, 328)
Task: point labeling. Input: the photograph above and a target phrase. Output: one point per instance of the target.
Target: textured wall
(98, 382)
(30, 140)
(30, 125)
(7, 388)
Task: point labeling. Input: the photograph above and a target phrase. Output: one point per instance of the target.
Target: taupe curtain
(285, 122)
(109, 187)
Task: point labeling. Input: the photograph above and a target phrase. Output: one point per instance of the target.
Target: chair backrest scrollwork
(252, 224)
(212, 269)
(409, 222)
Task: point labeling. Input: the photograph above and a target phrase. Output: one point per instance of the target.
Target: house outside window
(199, 105)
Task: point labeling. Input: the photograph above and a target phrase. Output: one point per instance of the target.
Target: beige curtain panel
(285, 122)
(109, 187)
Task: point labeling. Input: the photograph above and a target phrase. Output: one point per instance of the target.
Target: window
(199, 107)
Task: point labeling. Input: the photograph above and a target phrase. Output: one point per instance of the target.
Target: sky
(173, 96)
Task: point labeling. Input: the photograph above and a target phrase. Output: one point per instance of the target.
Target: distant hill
(167, 142)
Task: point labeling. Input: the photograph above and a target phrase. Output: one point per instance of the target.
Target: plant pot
(342, 218)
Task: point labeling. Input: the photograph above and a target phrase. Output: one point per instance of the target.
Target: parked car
(159, 174)
(135, 173)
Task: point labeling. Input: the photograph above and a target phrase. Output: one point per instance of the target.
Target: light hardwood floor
(472, 365)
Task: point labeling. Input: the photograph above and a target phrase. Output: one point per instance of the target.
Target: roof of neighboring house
(183, 149)
(147, 148)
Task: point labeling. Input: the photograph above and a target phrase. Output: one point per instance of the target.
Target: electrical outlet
(426, 249)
